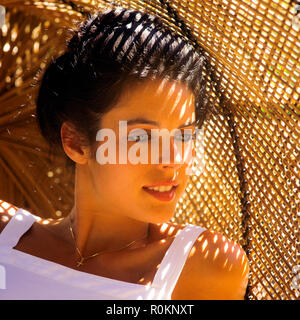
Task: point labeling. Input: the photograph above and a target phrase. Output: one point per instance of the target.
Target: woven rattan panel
(245, 181)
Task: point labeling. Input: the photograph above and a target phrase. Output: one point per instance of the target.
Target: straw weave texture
(246, 178)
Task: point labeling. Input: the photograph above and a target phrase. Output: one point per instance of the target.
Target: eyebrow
(146, 121)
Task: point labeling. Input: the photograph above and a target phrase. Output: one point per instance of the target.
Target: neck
(94, 235)
(98, 228)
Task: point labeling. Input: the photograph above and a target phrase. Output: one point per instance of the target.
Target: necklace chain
(83, 259)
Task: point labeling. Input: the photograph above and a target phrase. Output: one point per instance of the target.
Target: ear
(71, 143)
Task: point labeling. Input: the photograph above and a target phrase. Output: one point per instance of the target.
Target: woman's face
(120, 187)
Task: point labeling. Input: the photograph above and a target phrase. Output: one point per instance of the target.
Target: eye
(138, 136)
(186, 137)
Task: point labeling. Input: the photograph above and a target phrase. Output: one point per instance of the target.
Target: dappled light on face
(174, 96)
(161, 87)
(178, 98)
(193, 117)
(171, 91)
(183, 109)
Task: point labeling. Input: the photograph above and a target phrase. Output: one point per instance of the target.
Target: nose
(173, 157)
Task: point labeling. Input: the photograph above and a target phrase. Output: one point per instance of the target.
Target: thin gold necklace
(83, 259)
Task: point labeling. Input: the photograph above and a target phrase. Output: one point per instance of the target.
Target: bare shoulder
(217, 269)
(7, 211)
(166, 230)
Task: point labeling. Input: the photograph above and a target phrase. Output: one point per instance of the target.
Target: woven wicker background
(246, 179)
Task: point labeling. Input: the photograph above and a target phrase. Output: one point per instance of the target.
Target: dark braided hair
(109, 51)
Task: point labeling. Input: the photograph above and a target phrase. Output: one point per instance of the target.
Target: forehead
(166, 102)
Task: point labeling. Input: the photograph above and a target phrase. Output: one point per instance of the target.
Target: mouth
(162, 195)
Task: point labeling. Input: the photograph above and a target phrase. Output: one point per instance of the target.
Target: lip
(164, 183)
(162, 196)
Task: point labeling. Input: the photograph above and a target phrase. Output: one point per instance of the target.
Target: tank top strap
(174, 260)
(16, 227)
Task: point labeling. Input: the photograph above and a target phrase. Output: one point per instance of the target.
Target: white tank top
(26, 277)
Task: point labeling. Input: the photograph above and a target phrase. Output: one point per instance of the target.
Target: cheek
(184, 176)
(116, 180)
(189, 153)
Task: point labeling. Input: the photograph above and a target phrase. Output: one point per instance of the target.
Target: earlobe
(71, 143)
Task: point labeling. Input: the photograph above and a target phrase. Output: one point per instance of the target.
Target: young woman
(123, 77)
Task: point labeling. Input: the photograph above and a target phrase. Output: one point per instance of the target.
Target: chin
(161, 218)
